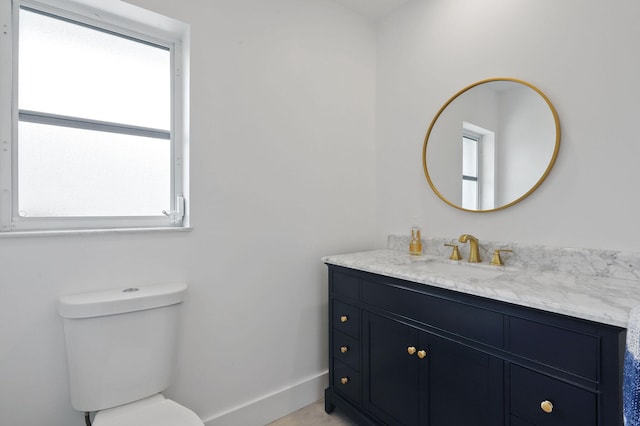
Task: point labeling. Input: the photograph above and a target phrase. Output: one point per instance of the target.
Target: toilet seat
(155, 410)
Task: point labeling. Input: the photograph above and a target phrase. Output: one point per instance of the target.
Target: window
(470, 171)
(97, 127)
(478, 167)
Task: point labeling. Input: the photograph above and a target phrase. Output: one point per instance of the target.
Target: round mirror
(491, 145)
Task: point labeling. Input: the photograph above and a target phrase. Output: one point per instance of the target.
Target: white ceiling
(373, 9)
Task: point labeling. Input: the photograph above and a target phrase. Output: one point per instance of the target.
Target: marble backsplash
(592, 262)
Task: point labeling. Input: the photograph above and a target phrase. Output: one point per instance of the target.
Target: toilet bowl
(155, 410)
(121, 350)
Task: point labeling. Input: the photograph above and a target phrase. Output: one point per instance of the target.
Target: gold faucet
(455, 253)
(496, 260)
(474, 254)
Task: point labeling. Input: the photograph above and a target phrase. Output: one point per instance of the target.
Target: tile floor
(313, 415)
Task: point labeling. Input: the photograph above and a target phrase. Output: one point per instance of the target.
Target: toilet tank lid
(120, 300)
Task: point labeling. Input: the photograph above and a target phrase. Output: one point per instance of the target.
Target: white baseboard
(275, 405)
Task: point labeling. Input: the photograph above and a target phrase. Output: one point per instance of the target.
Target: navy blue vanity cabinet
(403, 353)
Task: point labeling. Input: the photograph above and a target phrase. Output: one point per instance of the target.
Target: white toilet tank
(121, 344)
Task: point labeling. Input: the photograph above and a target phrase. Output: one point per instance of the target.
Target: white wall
(578, 52)
(282, 173)
(526, 142)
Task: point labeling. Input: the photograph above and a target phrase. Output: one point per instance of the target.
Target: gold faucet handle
(455, 254)
(496, 260)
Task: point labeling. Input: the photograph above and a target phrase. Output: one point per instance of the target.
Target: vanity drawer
(346, 349)
(346, 381)
(572, 406)
(346, 318)
(345, 285)
(566, 349)
(469, 321)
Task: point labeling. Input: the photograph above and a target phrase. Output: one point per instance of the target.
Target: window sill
(86, 232)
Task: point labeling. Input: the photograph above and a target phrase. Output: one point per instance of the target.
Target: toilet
(121, 350)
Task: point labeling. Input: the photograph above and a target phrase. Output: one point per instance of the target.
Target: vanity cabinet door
(465, 385)
(392, 370)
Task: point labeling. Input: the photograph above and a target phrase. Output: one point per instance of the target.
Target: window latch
(176, 216)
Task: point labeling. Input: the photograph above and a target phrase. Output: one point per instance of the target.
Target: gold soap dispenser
(415, 245)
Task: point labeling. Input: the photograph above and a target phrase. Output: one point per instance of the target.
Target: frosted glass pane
(69, 69)
(79, 173)
(469, 194)
(469, 157)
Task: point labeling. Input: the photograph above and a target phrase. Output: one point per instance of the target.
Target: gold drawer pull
(344, 349)
(411, 350)
(344, 380)
(422, 353)
(546, 406)
(344, 318)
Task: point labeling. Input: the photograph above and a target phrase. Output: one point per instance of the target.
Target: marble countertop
(602, 299)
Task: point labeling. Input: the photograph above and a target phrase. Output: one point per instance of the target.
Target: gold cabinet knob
(411, 350)
(344, 349)
(422, 353)
(344, 380)
(344, 318)
(546, 406)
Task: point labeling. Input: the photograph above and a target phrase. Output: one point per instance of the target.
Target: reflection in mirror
(491, 145)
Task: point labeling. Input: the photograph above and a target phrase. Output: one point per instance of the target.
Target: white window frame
(475, 179)
(130, 21)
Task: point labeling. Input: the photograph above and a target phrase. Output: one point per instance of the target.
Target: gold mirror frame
(453, 98)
